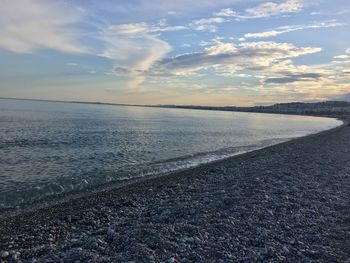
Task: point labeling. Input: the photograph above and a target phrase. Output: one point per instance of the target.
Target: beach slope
(289, 202)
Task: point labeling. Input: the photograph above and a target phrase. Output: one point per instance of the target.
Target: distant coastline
(338, 109)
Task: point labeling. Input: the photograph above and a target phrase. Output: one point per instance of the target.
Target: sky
(223, 52)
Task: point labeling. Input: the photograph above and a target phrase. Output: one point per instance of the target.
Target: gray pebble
(5, 254)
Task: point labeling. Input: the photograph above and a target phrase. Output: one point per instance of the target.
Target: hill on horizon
(324, 108)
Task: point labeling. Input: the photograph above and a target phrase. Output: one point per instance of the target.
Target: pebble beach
(285, 203)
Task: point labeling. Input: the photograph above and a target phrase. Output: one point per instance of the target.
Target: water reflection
(48, 148)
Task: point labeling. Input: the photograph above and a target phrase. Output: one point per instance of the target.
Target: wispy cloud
(37, 24)
(287, 29)
(226, 12)
(207, 24)
(156, 8)
(133, 48)
(332, 13)
(267, 9)
(252, 56)
(286, 81)
(342, 58)
(290, 78)
(273, 9)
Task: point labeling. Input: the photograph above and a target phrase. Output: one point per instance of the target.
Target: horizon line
(158, 105)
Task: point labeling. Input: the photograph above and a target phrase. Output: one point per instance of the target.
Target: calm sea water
(48, 148)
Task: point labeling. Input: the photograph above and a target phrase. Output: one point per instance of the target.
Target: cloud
(30, 25)
(226, 12)
(273, 9)
(133, 48)
(265, 10)
(121, 71)
(157, 8)
(331, 13)
(343, 58)
(170, 29)
(253, 56)
(207, 24)
(221, 49)
(294, 78)
(284, 81)
(287, 29)
(162, 26)
(212, 20)
(267, 69)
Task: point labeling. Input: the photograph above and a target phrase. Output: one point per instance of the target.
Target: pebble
(5, 254)
(285, 250)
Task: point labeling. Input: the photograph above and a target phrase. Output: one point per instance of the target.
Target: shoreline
(55, 200)
(146, 194)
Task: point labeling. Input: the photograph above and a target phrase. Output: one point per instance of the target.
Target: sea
(49, 149)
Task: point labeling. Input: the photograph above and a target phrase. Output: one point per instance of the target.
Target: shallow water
(48, 148)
